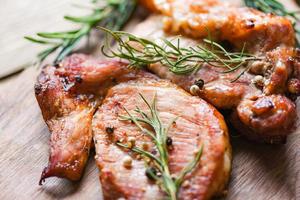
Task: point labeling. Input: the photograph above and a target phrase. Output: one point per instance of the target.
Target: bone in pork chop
(197, 123)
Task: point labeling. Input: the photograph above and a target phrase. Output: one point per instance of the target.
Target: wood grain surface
(260, 172)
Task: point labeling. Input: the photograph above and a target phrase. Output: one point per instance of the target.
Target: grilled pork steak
(67, 95)
(262, 99)
(198, 123)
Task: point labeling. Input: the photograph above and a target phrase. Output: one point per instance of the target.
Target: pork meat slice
(197, 123)
(68, 95)
(270, 112)
(224, 20)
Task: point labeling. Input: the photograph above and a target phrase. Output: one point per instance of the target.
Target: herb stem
(112, 14)
(142, 52)
(169, 184)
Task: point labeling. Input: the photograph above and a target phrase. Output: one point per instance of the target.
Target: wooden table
(260, 172)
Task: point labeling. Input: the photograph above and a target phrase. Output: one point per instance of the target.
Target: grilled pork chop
(68, 95)
(197, 123)
(262, 99)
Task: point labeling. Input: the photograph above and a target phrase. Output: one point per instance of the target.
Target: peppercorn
(109, 130)
(169, 141)
(127, 162)
(37, 88)
(131, 142)
(194, 89)
(78, 79)
(199, 83)
(250, 24)
(151, 172)
(258, 80)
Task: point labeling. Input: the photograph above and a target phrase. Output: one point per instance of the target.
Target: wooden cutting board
(260, 172)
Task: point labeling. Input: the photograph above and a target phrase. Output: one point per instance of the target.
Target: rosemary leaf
(67, 48)
(159, 134)
(179, 60)
(87, 19)
(40, 41)
(42, 55)
(189, 168)
(112, 14)
(140, 151)
(59, 35)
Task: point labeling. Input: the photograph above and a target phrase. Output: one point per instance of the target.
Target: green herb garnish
(168, 183)
(180, 60)
(112, 14)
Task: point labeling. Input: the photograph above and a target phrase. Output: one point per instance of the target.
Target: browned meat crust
(69, 121)
(198, 123)
(224, 21)
(265, 35)
(67, 95)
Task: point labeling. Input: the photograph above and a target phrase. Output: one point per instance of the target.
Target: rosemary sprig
(180, 60)
(112, 14)
(169, 184)
(277, 8)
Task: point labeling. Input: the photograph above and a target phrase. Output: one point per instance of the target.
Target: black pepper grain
(114, 80)
(292, 97)
(153, 151)
(151, 172)
(37, 88)
(56, 65)
(199, 83)
(250, 24)
(169, 141)
(109, 130)
(78, 79)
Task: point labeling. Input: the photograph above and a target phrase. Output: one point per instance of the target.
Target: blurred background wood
(19, 18)
(260, 172)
